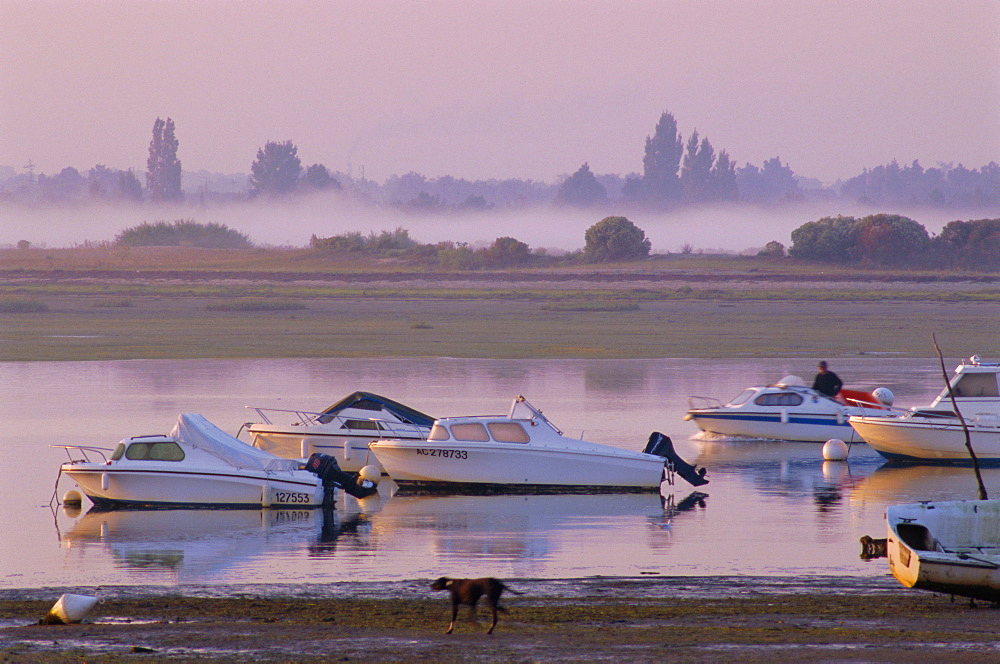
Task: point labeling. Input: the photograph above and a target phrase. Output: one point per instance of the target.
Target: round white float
(835, 450)
(72, 498)
(371, 473)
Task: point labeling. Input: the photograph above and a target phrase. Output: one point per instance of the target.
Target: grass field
(76, 305)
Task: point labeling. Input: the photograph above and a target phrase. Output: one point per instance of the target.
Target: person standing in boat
(827, 382)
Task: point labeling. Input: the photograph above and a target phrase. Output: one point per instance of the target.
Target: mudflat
(716, 619)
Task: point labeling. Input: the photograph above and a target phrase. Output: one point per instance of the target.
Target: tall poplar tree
(696, 174)
(660, 182)
(724, 187)
(163, 168)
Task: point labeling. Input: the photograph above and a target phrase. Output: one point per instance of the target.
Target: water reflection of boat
(946, 546)
(523, 526)
(719, 454)
(788, 469)
(910, 483)
(198, 544)
(787, 410)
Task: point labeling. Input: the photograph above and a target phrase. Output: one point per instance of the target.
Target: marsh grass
(183, 327)
(112, 303)
(609, 306)
(21, 305)
(255, 304)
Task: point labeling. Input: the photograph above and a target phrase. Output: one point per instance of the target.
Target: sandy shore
(579, 620)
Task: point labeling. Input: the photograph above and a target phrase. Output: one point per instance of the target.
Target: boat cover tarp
(194, 430)
(404, 413)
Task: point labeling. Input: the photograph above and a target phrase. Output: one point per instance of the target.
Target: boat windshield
(742, 398)
(975, 385)
(439, 432)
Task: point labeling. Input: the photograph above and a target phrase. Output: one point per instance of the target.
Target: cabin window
(363, 425)
(119, 452)
(167, 451)
(508, 432)
(470, 431)
(742, 397)
(976, 385)
(438, 432)
(779, 399)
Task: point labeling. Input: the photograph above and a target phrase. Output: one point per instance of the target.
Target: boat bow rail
(84, 449)
(696, 402)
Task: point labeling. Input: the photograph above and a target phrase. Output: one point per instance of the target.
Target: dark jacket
(828, 383)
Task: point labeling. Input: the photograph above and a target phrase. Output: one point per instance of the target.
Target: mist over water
(730, 228)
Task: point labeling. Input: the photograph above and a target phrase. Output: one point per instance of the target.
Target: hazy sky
(509, 88)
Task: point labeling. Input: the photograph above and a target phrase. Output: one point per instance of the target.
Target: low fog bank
(730, 228)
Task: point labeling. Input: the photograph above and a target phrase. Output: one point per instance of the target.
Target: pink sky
(499, 88)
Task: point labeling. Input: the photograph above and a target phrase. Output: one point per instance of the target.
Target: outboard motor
(662, 446)
(328, 470)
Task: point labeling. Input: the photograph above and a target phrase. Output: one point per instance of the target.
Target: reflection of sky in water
(771, 508)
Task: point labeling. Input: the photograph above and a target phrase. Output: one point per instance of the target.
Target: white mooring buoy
(69, 609)
(835, 450)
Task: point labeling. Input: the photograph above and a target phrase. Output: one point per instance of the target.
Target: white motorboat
(342, 431)
(787, 410)
(523, 452)
(199, 465)
(946, 546)
(934, 434)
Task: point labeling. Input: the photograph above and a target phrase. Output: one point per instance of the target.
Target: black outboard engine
(328, 470)
(662, 446)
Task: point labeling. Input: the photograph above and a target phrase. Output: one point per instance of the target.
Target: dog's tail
(511, 590)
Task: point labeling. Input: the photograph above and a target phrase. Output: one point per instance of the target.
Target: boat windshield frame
(742, 397)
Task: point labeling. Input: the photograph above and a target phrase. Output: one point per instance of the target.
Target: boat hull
(499, 469)
(914, 441)
(351, 452)
(802, 427)
(949, 547)
(110, 487)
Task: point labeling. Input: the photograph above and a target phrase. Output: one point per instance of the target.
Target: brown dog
(468, 591)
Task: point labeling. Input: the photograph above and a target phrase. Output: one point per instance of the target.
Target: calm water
(770, 509)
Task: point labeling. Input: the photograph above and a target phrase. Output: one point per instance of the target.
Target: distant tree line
(897, 241)
(880, 240)
(611, 239)
(675, 173)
